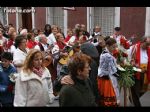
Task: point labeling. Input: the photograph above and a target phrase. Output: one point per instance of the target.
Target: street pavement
(144, 99)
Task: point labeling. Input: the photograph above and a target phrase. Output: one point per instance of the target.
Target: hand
(67, 80)
(65, 54)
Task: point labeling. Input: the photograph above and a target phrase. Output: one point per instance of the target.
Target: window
(104, 17)
(56, 17)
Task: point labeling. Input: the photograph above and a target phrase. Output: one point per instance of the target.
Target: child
(6, 86)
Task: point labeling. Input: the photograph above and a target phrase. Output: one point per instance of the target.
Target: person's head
(54, 29)
(77, 26)
(30, 36)
(35, 32)
(47, 28)
(34, 59)
(24, 32)
(42, 38)
(11, 30)
(69, 32)
(89, 49)
(97, 29)
(101, 41)
(19, 29)
(6, 58)
(20, 42)
(79, 66)
(117, 30)
(145, 42)
(13, 35)
(111, 44)
(10, 25)
(83, 28)
(59, 37)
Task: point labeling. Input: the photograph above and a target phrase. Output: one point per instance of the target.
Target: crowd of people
(78, 69)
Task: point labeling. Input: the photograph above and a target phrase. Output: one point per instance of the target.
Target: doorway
(27, 19)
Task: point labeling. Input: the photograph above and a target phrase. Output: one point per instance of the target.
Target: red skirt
(107, 93)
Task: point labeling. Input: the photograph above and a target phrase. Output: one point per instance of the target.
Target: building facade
(132, 20)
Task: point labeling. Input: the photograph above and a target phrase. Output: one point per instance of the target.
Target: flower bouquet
(125, 70)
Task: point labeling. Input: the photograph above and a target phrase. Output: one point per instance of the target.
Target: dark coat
(6, 96)
(79, 94)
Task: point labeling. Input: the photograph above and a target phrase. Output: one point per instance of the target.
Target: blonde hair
(28, 64)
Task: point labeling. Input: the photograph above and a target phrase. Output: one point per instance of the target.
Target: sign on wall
(69, 8)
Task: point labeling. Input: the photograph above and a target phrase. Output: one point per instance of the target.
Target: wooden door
(27, 19)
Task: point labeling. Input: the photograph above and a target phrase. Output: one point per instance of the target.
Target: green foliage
(126, 77)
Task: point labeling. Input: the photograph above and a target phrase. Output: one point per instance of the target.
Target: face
(97, 29)
(37, 60)
(85, 73)
(23, 43)
(117, 32)
(14, 35)
(5, 63)
(60, 37)
(102, 42)
(112, 48)
(44, 39)
(55, 30)
(70, 33)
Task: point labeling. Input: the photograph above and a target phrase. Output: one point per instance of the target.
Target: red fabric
(31, 44)
(61, 45)
(137, 61)
(10, 43)
(10, 88)
(39, 71)
(67, 38)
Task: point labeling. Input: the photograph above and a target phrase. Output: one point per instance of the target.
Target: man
(140, 57)
(96, 32)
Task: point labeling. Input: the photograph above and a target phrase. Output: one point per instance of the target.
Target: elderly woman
(79, 94)
(33, 86)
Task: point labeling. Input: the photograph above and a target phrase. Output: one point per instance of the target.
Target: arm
(20, 98)
(50, 88)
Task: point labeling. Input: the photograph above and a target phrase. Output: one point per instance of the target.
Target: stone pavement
(144, 99)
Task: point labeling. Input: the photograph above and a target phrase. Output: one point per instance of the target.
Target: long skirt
(107, 93)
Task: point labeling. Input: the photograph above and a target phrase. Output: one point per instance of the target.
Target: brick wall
(77, 16)
(132, 21)
(40, 17)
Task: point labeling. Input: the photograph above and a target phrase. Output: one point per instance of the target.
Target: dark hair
(7, 55)
(45, 28)
(78, 62)
(117, 28)
(106, 38)
(18, 40)
(110, 41)
(29, 36)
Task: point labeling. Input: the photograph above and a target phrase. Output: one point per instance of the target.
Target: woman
(20, 52)
(79, 94)
(47, 30)
(107, 82)
(33, 86)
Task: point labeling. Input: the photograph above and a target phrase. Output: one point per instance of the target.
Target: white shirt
(143, 56)
(19, 56)
(44, 46)
(51, 39)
